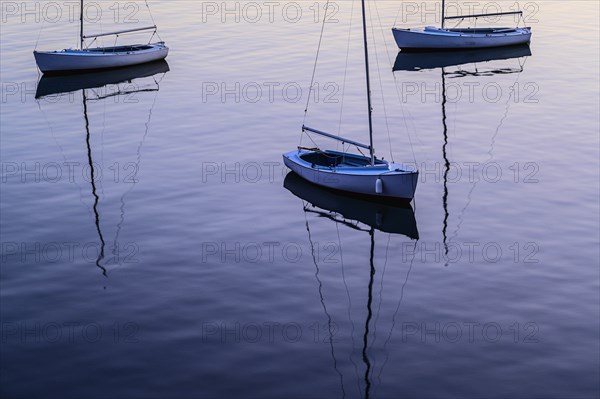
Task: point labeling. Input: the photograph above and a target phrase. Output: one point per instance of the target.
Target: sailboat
(95, 58)
(442, 38)
(355, 174)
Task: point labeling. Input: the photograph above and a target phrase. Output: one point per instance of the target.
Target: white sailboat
(97, 58)
(442, 38)
(352, 173)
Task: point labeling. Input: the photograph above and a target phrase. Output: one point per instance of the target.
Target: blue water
(188, 269)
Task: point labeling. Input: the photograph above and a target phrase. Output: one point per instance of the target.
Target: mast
(81, 26)
(364, 17)
(443, 12)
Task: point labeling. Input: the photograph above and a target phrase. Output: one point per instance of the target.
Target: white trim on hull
(400, 183)
(432, 38)
(99, 58)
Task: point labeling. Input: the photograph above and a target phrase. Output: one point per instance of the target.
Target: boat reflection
(414, 62)
(349, 210)
(60, 84)
(364, 216)
(445, 59)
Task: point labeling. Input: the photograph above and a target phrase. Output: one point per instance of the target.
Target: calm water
(193, 268)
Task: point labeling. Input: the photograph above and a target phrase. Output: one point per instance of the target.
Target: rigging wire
(62, 151)
(39, 34)
(349, 307)
(312, 80)
(460, 21)
(329, 318)
(414, 251)
(387, 248)
(102, 37)
(490, 157)
(387, 125)
(346, 69)
(139, 159)
(332, 216)
(153, 22)
(397, 16)
(404, 112)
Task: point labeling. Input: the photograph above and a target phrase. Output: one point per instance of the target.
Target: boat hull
(361, 181)
(68, 61)
(442, 39)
